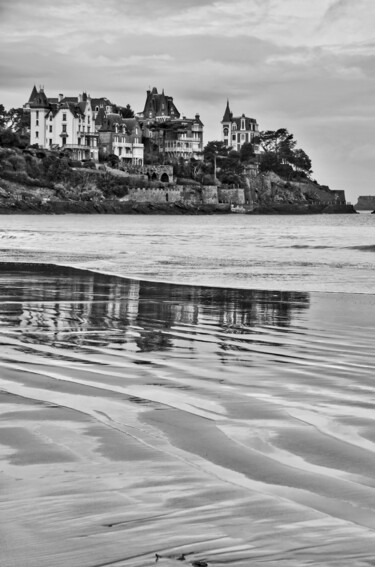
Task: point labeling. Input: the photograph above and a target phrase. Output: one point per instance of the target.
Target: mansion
(84, 125)
(174, 136)
(238, 130)
(92, 126)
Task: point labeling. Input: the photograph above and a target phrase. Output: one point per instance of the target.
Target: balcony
(77, 147)
(86, 133)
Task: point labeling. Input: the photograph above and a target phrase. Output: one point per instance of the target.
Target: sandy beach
(139, 418)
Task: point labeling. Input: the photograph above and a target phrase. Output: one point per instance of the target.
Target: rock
(365, 203)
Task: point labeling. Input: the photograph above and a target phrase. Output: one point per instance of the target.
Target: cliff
(39, 181)
(268, 193)
(365, 203)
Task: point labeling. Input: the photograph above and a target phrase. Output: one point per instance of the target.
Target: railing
(77, 147)
(86, 133)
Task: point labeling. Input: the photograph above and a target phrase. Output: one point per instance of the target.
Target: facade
(163, 126)
(120, 136)
(75, 123)
(238, 130)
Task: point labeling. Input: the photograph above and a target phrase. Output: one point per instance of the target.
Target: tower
(39, 108)
(227, 126)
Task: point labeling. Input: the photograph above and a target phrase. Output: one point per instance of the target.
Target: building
(238, 130)
(175, 137)
(75, 123)
(120, 136)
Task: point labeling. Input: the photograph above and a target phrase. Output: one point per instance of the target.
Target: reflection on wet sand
(140, 418)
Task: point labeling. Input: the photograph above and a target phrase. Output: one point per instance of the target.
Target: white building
(73, 123)
(238, 130)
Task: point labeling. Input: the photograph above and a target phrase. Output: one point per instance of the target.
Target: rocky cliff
(38, 181)
(268, 193)
(365, 203)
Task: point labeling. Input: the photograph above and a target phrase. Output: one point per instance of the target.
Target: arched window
(234, 127)
(226, 131)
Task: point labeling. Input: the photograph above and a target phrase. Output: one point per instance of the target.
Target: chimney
(61, 96)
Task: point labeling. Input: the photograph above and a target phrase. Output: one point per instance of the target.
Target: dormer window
(234, 126)
(243, 126)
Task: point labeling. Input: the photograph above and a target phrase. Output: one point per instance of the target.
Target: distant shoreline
(135, 208)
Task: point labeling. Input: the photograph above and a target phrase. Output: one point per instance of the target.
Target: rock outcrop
(38, 181)
(365, 203)
(267, 193)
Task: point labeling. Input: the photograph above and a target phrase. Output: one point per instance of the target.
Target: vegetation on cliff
(276, 180)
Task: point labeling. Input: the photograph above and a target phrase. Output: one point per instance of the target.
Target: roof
(34, 94)
(69, 99)
(227, 114)
(39, 100)
(159, 105)
(248, 121)
(100, 102)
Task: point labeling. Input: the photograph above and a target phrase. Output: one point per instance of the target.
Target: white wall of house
(38, 126)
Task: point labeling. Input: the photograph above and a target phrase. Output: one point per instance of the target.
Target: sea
(187, 390)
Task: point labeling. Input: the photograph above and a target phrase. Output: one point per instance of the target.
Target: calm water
(313, 253)
(136, 417)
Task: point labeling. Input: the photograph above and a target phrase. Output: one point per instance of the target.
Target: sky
(304, 65)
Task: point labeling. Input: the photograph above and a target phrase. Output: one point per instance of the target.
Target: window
(243, 137)
(64, 116)
(88, 129)
(64, 141)
(37, 122)
(50, 128)
(234, 126)
(243, 127)
(234, 137)
(79, 141)
(64, 128)
(225, 132)
(36, 134)
(37, 114)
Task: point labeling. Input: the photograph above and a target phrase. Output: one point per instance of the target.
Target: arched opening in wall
(154, 177)
(164, 178)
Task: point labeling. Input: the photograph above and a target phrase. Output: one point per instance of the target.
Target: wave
(364, 248)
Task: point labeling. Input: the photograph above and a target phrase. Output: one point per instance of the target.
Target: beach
(233, 425)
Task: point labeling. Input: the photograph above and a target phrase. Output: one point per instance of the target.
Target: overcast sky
(307, 65)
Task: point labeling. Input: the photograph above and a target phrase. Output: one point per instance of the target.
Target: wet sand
(140, 418)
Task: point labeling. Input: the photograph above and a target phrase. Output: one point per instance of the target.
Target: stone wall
(209, 195)
(162, 195)
(234, 196)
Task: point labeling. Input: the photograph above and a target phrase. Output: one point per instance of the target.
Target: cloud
(308, 70)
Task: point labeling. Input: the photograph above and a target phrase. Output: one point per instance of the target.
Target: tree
(3, 116)
(113, 160)
(127, 112)
(280, 154)
(278, 142)
(214, 149)
(18, 120)
(247, 152)
(301, 161)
